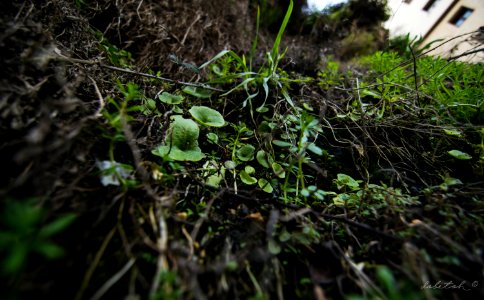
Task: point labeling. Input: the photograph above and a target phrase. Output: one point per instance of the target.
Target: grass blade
(254, 43)
(275, 48)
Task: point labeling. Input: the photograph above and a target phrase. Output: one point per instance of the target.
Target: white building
(440, 19)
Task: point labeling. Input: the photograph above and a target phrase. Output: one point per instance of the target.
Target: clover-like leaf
(246, 152)
(249, 170)
(246, 178)
(265, 185)
(193, 154)
(459, 155)
(184, 133)
(207, 116)
(181, 142)
(214, 180)
(168, 98)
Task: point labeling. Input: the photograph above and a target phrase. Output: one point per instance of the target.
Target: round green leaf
(249, 170)
(176, 153)
(459, 155)
(246, 178)
(263, 158)
(214, 180)
(182, 141)
(197, 92)
(177, 110)
(245, 153)
(212, 137)
(161, 150)
(184, 134)
(278, 170)
(168, 98)
(194, 154)
(265, 185)
(207, 116)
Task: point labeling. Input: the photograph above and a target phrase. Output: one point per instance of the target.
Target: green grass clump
(453, 88)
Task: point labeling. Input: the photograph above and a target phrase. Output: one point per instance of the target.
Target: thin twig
(162, 242)
(189, 28)
(466, 54)
(100, 98)
(115, 278)
(62, 57)
(415, 74)
(94, 264)
(200, 221)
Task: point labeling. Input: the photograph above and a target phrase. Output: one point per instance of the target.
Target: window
(431, 4)
(461, 15)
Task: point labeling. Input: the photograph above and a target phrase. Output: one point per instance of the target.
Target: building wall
(445, 29)
(408, 16)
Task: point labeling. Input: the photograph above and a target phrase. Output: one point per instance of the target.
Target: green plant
(169, 287)
(117, 114)
(117, 57)
(409, 47)
(25, 232)
(207, 116)
(451, 88)
(114, 173)
(181, 141)
(330, 74)
(118, 111)
(266, 76)
(369, 198)
(389, 288)
(299, 139)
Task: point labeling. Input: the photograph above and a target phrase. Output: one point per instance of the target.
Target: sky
(321, 4)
